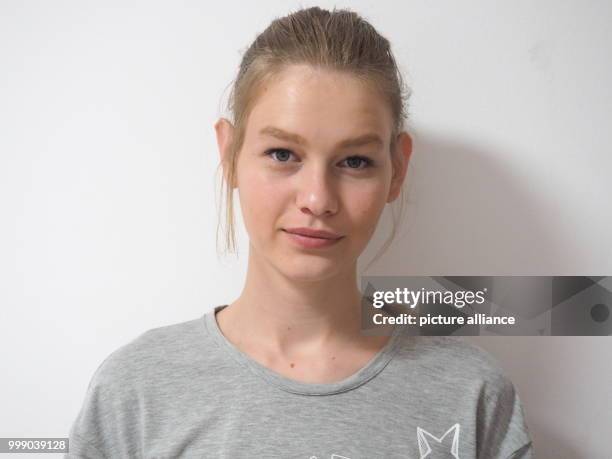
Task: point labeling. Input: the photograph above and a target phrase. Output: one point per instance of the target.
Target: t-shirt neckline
(363, 375)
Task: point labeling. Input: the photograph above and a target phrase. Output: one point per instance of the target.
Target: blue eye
(272, 151)
(282, 155)
(365, 161)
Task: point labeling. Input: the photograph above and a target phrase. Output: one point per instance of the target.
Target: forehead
(320, 105)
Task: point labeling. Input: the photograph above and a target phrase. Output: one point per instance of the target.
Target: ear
(224, 131)
(401, 156)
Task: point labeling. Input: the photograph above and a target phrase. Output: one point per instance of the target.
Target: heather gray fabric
(183, 390)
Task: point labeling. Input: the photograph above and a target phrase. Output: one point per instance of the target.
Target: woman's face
(294, 171)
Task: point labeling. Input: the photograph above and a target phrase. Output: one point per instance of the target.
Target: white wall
(107, 182)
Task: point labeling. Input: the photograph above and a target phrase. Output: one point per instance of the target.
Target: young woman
(316, 150)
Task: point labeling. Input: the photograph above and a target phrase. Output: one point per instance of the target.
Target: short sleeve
(501, 426)
(107, 423)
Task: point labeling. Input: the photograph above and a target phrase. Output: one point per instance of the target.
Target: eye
(355, 161)
(282, 155)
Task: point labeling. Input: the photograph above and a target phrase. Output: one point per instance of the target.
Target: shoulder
(149, 354)
(127, 384)
(454, 361)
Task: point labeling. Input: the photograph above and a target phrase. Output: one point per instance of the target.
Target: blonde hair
(338, 40)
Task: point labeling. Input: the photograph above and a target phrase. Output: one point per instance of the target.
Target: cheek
(261, 201)
(364, 204)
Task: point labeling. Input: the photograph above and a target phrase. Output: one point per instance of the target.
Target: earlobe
(224, 131)
(401, 157)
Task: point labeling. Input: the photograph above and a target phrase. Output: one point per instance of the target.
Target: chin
(309, 269)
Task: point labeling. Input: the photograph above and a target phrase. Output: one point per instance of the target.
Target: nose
(316, 192)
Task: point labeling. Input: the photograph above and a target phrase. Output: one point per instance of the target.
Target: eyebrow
(366, 139)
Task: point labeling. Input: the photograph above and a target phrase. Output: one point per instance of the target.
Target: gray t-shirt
(184, 390)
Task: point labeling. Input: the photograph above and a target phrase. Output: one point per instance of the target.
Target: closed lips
(321, 234)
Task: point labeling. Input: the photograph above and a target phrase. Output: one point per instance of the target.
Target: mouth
(311, 242)
(313, 233)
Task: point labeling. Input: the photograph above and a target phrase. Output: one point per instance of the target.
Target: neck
(290, 315)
